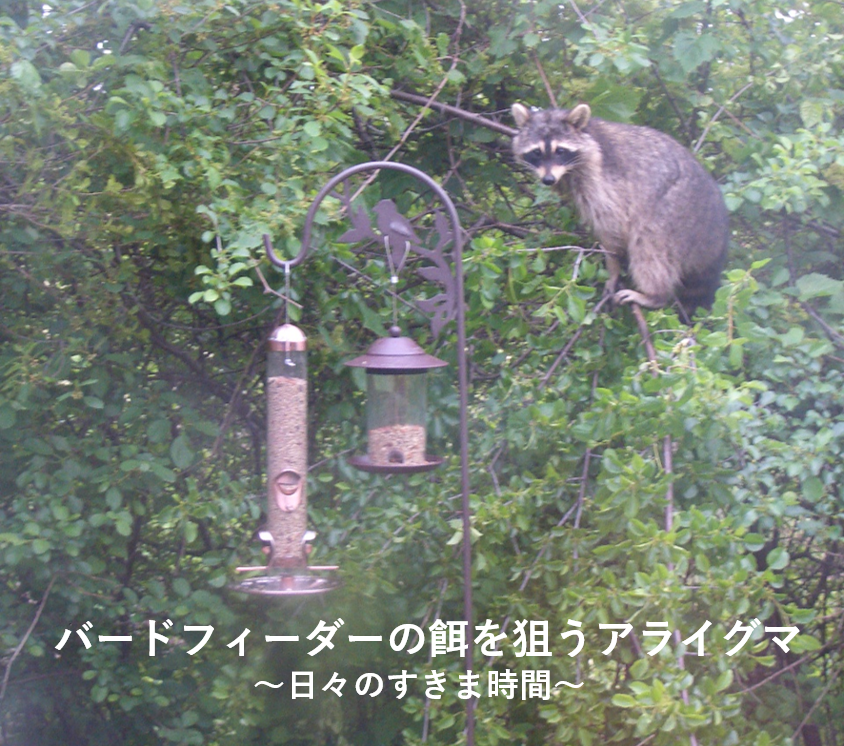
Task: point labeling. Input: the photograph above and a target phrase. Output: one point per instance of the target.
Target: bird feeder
(286, 537)
(287, 444)
(396, 408)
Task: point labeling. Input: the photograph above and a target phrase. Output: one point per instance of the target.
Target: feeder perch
(396, 406)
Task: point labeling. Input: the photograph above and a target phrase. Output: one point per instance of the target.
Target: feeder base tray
(364, 463)
(286, 585)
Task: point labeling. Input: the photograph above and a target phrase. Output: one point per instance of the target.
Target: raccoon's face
(550, 159)
(550, 141)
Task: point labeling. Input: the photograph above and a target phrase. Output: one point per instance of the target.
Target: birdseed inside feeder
(396, 407)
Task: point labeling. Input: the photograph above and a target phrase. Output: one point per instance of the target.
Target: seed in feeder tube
(397, 444)
(287, 401)
(287, 455)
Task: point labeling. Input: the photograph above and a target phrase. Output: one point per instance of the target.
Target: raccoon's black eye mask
(561, 156)
(533, 157)
(564, 156)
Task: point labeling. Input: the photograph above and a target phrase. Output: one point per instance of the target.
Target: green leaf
(813, 489)
(123, 523)
(159, 431)
(26, 74)
(777, 559)
(114, 498)
(312, 128)
(40, 546)
(624, 700)
(724, 681)
(181, 453)
(181, 587)
(80, 58)
(688, 8)
(811, 112)
(8, 416)
(754, 542)
(816, 285)
(693, 50)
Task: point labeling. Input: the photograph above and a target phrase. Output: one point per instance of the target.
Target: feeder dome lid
(396, 354)
(288, 338)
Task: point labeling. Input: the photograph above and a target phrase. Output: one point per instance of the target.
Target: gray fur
(649, 202)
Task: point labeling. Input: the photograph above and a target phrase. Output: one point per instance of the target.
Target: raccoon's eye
(533, 157)
(564, 156)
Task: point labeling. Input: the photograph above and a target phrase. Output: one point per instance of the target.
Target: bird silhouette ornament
(397, 232)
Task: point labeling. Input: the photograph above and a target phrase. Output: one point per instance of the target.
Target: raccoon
(652, 206)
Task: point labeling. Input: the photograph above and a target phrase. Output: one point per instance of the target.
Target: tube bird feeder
(286, 534)
(287, 445)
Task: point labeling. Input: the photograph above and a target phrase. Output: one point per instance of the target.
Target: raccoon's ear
(578, 117)
(520, 113)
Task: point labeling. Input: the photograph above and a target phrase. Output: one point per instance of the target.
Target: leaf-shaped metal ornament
(441, 310)
(442, 307)
(361, 229)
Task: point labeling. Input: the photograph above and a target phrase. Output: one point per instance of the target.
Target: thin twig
(548, 249)
(800, 661)
(468, 116)
(529, 572)
(671, 101)
(718, 114)
(565, 351)
(455, 59)
(269, 291)
(647, 740)
(816, 704)
(427, 717)
(26, 636)
(583, 19)
(237, 393)
(833, 335)
(643, 331)
(551, 97)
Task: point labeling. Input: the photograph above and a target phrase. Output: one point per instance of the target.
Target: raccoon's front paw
(623, 297)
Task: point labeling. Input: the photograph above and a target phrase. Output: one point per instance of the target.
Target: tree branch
(413, 98)
(26, 636)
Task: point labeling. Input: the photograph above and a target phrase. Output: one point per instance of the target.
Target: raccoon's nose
(548, 180)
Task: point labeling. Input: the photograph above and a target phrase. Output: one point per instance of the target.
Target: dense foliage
(146, 146)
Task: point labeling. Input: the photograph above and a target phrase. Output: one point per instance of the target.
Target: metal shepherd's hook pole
(462, 365)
